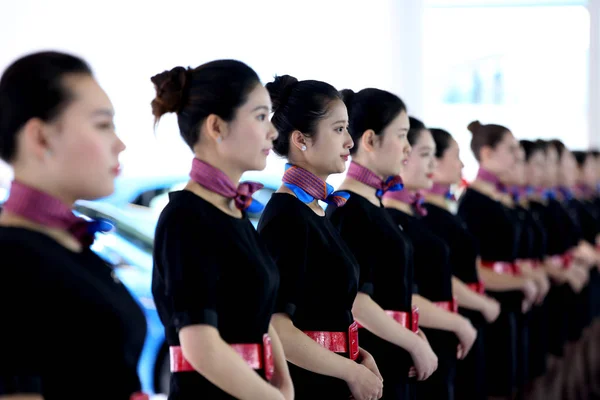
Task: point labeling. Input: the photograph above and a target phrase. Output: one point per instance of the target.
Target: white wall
(346, 43)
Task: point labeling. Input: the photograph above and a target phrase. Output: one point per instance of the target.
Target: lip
(116, 170)
(429, 176)
(266, 152)
(405, 161)
(345, 157)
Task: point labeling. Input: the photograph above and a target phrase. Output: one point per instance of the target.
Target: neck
(64, 198)
(306, 166)
(360, 188)
(436, 199)
(398, 205)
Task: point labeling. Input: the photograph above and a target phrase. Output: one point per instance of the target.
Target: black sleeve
(354, 229)
(190, 268)
(24, 316)
(286, 238)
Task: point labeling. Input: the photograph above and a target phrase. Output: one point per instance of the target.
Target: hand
(530, 292)
(424, 358)
(543, 286)
(491, 310)
(368, 361)
(466, 335)
(364, 384)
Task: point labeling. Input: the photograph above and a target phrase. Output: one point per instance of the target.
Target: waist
(450, 305)
(258, 356)
(409, 320)
(477, 287)
(338, 342)
(501, 267)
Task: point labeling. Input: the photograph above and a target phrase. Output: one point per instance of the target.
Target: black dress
(70, 330)
(533, 247)
(470, 372)
(212, 269)
(497, 232)
(319, 281)
(385, 256)
(433, 281)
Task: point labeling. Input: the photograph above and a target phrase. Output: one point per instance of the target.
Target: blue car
(134, 210)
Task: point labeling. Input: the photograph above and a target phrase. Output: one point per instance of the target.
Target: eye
(262, 117)
(340, 129)
(105, 126)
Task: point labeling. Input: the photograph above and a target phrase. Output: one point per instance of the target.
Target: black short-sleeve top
(432, 269)
(494, 225)
(211, 268)
(383, 251)
(70, 329)
(461, 243)
(319, 274)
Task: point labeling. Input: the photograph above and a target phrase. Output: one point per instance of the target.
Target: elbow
(360, 306)
(200, 347)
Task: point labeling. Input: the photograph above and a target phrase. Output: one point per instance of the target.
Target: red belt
(501, 267)
(257, 356)
(477, 287)
(139, 396)
(338, 342)
(451, 306)
(409, 320)
(565, 259)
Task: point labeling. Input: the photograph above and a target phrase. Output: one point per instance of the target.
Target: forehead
(337, 111)
(258, 96)
(400, 122)
(425, 139)
(86, 92)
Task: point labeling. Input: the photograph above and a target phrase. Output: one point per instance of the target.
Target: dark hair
(442, 141)
(558, 146)
(33, 87)
(414, 133)
(581, 157)
(298, 106)
(485, 135)
(531, 148)
(219, 87)
(370, 109)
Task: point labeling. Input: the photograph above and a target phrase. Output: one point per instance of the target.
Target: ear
(368, 139)
(485, 153)
(34, 138)
(215, 127)
(298, 140)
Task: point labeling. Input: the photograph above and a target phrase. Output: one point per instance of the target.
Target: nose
(273, 133)
(407, 149)
(349, 143)
(119, 145)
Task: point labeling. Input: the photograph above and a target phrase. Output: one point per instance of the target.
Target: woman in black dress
(214, 283)
(71, 330)
(319, 274)
(379, 127)
(487, 214)
(473, 303)
(445, 328)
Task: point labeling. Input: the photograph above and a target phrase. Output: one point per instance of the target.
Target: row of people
(377, 290)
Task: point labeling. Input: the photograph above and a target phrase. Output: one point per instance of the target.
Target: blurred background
(531, 65)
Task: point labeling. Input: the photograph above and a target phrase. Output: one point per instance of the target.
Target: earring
(303, 148)
(219, 139)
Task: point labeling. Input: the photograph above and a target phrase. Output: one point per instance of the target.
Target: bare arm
(304, 352)
(211, 356)
(281, 377)
(374, 318)
(467, 298)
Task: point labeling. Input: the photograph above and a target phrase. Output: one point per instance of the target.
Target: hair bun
(171, 87)
(348, 98)
(280, 90)
(474, 127)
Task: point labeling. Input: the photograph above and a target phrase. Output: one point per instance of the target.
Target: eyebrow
(104, 113)
(267, 109)
(341, 121)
